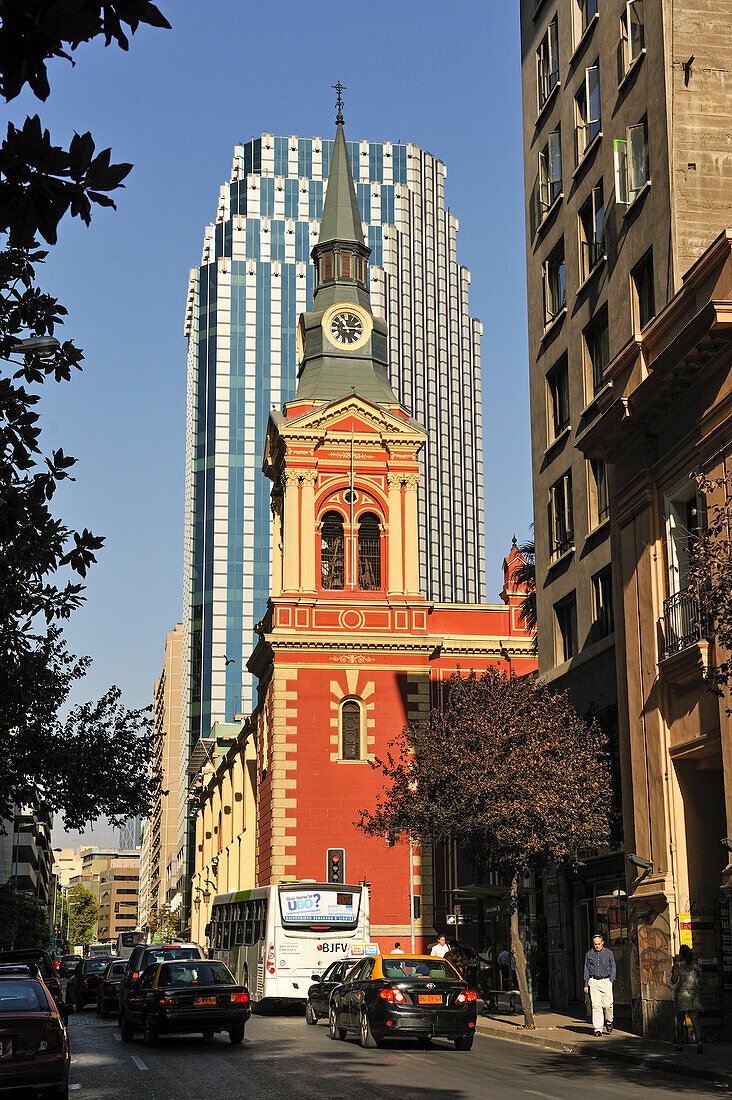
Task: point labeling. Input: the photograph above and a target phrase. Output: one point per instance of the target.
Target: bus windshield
(319, 908)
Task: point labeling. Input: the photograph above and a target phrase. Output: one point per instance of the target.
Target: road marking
(74, 1087)
(544, 1095)
(138, 1061)
(117, 1036)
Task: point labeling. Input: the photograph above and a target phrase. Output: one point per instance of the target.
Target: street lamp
(43, 346)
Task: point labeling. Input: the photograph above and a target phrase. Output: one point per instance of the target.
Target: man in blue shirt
(599, 978)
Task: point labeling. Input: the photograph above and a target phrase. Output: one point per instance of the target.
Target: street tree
(163, 923)
(709, 573)
(43, 562)
(79, 912)
(507, 770)
(23, 919)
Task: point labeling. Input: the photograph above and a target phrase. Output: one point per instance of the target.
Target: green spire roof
(341, 219)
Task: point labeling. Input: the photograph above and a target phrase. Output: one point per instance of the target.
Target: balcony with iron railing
(683, 624)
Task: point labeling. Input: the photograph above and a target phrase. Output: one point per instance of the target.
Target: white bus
(128, 941)
(273, 938)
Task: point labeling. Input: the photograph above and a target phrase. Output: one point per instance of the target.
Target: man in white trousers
(599, 978)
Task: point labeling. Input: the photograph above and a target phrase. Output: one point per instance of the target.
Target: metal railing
(683, 624)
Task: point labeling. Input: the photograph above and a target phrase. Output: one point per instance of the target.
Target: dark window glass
(555, 289)
(547, 63)
(597, 342)
(566, 616)
(351, 724)
(331, 551)
(558, 381)
(369, 552)
(561, 516)
(195, 973)
(592, 230)
(602, 598)
(643, 283)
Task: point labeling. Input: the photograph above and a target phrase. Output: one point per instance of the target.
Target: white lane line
(138, 1061)
(117, 1036)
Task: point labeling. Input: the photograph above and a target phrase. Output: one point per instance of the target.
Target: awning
(201, 755)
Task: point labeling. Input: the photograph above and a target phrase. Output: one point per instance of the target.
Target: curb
(659, 1062)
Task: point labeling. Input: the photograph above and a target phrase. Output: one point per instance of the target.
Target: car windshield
(22, 996)
(195, 973)
(419, 968)
(95, 966)
(166, 954)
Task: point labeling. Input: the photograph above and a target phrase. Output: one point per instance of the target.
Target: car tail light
(53, 1038)
(166, 1000)
(271, 959)
(240, 998)
(393, 995)
(57, 964)
(466, 995)
(136, 975)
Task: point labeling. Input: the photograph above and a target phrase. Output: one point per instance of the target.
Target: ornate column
(290, 550)
(396, 573)
(276, 506)
(307, 531)
(411, 531)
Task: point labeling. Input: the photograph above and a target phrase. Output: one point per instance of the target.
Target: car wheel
(208, 1033)
(150, 1030)
(126, 1029)
(464, 1042)
(311, 1015)
(365, 1035)
(236, 1033)
(334, 1030)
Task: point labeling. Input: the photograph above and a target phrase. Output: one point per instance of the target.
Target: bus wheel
(311, 1015)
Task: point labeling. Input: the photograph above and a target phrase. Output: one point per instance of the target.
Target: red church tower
(350, 650)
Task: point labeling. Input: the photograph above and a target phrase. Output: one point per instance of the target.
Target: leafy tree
(163, 923)
(526, 576)
(709, 574)
(42, 562)
(23, 919)
(509, 771)
(79, 911)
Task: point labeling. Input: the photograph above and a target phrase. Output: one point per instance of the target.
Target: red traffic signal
(336, 865)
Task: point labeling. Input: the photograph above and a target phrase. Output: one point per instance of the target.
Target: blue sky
(447, 78)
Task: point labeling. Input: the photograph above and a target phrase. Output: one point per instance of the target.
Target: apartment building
(118, 897)
(628, 179)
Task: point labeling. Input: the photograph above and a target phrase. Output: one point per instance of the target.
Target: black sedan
(323, 985)
(109, 986)
(191, 995)
(40, 963)
(83, 988)
(397, 995)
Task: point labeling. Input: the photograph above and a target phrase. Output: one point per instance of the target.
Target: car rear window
(419, 968)
(116, 970)
(22, 996)
(168, 954)
(95, 966)
(195, 973)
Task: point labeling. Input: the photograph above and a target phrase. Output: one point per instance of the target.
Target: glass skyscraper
(244, 300)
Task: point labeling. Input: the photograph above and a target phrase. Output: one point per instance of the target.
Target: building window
(561, 516)
(597, 353)
(592, 231)
(327, 266)
(644, 307)
(632, 166)
(632, 39)
(683, 510)
(331, 551)
(598, 492)
(565, 615)
(558, 393)
(547, 63)
(369, 553)
(587, 111)
(555, 289)
(550, 172)
(351, 730)
(586, 10)
(361, 269)
(346, 265)
(602, 604)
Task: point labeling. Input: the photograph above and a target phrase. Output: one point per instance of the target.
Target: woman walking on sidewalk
(685, 978)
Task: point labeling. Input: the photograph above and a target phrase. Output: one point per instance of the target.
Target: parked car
(41, 963)
(319, 993)
(144, 955)
(34, 1045)
(109, 987)
(189, 995)
(412, 995)
(83, 988)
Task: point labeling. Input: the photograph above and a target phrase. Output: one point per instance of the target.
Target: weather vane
(338, 88)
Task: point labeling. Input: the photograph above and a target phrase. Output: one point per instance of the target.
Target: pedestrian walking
(440, 948)
(504, 966)
(396, 950)
(599, 977)
(685, 978)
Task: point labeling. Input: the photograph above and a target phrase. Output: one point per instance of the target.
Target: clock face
(346, 328)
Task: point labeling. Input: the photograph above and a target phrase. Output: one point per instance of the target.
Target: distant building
(66, 865)
(129, 834)
(25, 852)
(118, 897)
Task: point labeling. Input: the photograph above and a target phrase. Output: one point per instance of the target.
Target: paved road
(282, 1057)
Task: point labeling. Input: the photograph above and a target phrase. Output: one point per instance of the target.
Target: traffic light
(116, 907)
(336, 865)
(417, 906)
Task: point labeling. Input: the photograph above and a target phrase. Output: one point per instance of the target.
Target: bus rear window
(323, 907)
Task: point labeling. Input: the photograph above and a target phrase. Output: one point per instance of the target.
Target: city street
(283, 1057)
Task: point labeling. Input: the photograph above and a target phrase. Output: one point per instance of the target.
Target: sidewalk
(572, 1034)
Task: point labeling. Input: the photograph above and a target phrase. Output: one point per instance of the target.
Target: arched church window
(346, 265)
(369, 552)
(331, 551)
(327, 268)
(351, 730)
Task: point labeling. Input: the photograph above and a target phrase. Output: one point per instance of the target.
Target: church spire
(341, 219)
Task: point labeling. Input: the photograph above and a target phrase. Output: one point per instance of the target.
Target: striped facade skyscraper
(244, 300)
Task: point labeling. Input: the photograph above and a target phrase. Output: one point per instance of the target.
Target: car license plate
(429, 999)
(205, 1001)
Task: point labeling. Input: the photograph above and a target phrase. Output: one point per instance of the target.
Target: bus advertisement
(273, 938)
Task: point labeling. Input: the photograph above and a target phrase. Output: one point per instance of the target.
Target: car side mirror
(317, 977)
